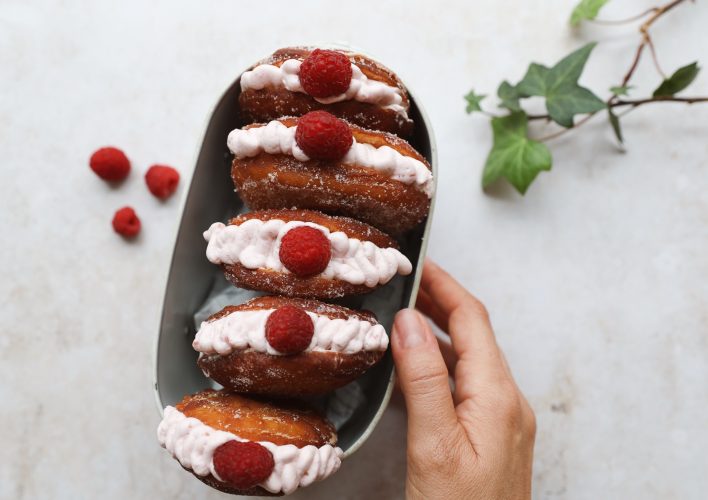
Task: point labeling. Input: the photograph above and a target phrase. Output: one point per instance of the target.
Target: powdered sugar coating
(193, 443)
(255, 244)
(246, 330)
(361, 88)
(278, 138)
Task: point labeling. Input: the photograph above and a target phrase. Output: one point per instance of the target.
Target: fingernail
(409, 329)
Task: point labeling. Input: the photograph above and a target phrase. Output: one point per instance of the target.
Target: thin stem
(564, 130)
(632, 103)
(646, 40)
(654, 58)
(639, 102)
(538, 117)
(625, 112)
(624, 21)
(634, 65)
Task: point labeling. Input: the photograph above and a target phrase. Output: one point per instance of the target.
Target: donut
(249, 447)
(283, 346)
(303, 253)
(379, 179)
(346, 84)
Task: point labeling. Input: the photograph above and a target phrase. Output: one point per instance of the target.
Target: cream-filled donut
(372, 176)
(303, 253)
(248, 447)
(285, 346)
(296, 80)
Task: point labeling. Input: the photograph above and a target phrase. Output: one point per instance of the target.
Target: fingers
(423, 377)
(448, 354)
(468, 322)
(425, 304)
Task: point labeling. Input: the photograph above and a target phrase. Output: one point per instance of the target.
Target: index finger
(468, 324)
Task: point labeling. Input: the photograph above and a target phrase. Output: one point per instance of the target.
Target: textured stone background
(596, 280)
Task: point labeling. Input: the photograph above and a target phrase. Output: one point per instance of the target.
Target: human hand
(475, 443)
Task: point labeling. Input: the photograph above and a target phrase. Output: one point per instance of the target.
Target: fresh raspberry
(162, 180)
(289, 330)
(243, 465)
(110, 164)
(126, 223)
(325, 73)
(323, 136)
(305, 251)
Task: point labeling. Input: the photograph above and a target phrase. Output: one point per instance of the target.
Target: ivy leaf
(619, 91)
(572, 100)
(681, 79)
(473, 101)
(586, 10)
(514, 156)
(509, 96)
(534, 81)
(615, 122)
(559, 85)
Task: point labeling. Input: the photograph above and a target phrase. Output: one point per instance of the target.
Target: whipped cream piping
(277, 138)
(256, 244)
(246, 329)
(361, 88)
(192, 443)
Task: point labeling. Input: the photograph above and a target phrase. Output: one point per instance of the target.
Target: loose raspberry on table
(289, 329)
(243, 465)
(126, 222)
(325, 73)
(110, 164)
(162, 180)
(305, 251)
(323, 136)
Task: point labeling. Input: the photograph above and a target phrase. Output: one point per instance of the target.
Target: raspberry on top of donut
(243, 464)
(323, 136)
(305, 251)
(325, 73)
(289, 329)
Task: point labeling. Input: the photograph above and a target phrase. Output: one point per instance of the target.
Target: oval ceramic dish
(210, 198)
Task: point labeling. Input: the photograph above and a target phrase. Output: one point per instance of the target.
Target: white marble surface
(596, 280)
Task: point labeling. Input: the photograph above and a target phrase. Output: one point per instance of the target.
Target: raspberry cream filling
(277, 138)
(193, 443)
(255, 244)
(246, 330)
(361, 88)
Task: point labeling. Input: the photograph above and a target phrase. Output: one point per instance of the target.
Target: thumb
(423, 377)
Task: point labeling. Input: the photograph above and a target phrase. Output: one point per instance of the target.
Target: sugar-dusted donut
(249, 447)
(365, 93)
(303, 253)
(284, 346)
(379, 179)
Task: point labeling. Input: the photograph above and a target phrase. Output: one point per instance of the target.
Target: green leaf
(586, 10)
(509, 96)
(473, 101)
(569, 69)
(534, 81)
(615, 122)
(559, 85)
(514, 156)
(681, 79)
(569, 101)
(623, 90)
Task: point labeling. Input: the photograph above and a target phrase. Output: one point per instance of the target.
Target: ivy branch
(519, 158)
